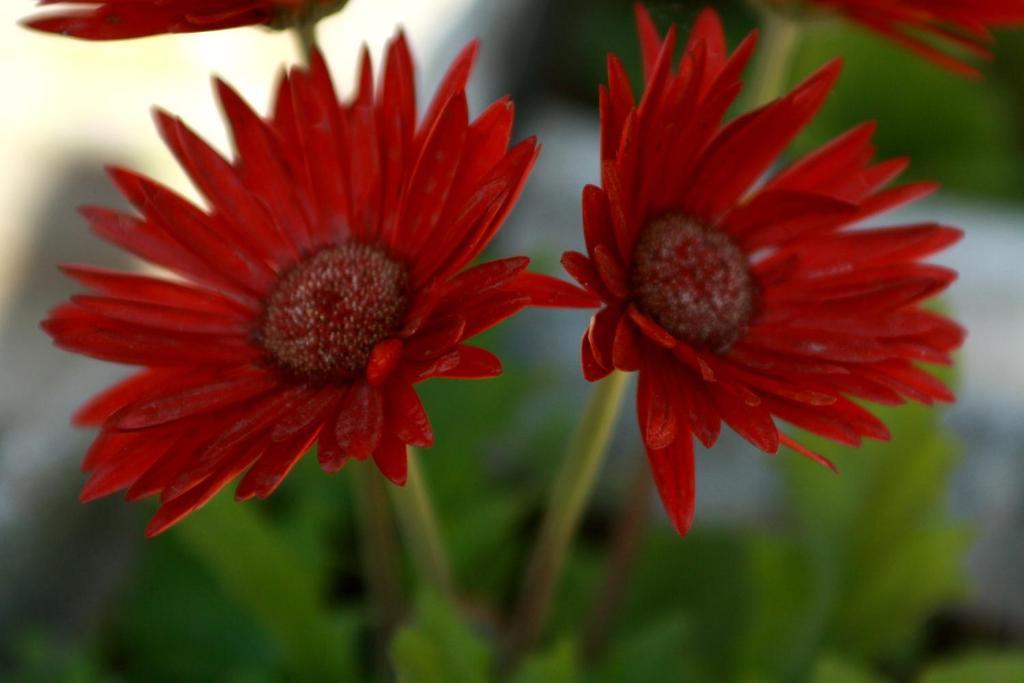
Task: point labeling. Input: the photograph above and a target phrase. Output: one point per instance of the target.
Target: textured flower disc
(330, 275)
(741, 298)
(325, 317)
(119, 19)
(693, 281)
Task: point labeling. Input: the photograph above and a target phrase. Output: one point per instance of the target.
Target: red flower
(744, 302)
(932, 27)
(117, 19)
(327, 279)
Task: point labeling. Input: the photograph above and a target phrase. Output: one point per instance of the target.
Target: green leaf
(556, 665)
(883, 549)
(786, 610)
(257, 568)
(665, 650)
(990, 668)
(830, 670)
(701, 578)
(37, 659)
(438, 647)
(175, 623)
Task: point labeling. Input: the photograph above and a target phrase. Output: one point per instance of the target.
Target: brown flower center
(326, 315)
(694, 281)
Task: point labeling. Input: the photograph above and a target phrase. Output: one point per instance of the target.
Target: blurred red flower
(741, 301)
(328, 278)
(932, 28)
(118, 19)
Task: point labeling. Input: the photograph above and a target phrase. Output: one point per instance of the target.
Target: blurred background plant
(903, 568)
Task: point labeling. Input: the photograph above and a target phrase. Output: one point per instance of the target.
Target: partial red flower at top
(329, 276)
(931, 28)
(118, 19)
(745, 302)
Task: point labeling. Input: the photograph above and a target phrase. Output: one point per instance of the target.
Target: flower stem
(780, 36)
(572, 488)
(379, 553)
(420, 529)
(305, 35)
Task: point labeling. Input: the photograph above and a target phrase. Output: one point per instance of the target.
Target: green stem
(379, 552)
(305, 35)
(780, 36)
(420, 529)
(569, 495)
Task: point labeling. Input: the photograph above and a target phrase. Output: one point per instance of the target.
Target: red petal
(673, 470)
(391, 458)
(273, 466)
(360, 423)
(406, 416)
(551, 292)
(658, 421)
(384, 358)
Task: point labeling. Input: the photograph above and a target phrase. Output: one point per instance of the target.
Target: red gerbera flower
(929, 27)
(327, 278)
(748, 303)
(117, 19)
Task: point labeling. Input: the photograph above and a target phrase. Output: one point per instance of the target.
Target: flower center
(693, 281)
(326, 315)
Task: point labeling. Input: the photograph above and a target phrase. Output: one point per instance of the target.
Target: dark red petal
(626, 351)
(306, 414)
(384, 358)
(673, 470)
(273, 466)
(329, 453)
(752, 422)
(808, 453)
(162, 317)
(432, 179)
(492, 309)
(454, 81)
(391, 458)
(659, 425)
(120, 468)
(547, 291)
(593, 369)
(143, 288)
(613, 275)
(437, 338)
(485, 277)
(468, 362)
(651, 329)
(219, 182)
(174, 511)
(650, 39)
(602, 335)
(210, 397)
(100, 407)
(581, 269)
(406, 416)
(264, 167)
(597, 222)
(360, 424)
(692, 396)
